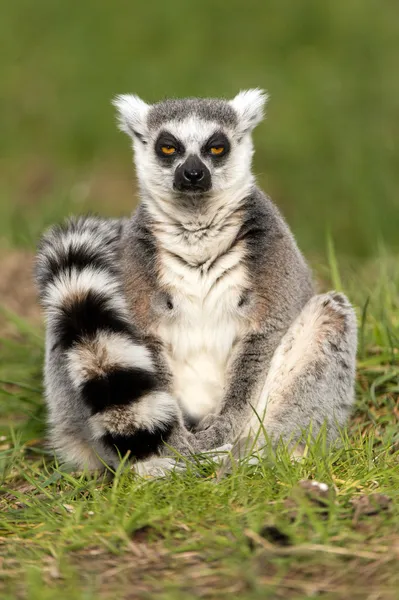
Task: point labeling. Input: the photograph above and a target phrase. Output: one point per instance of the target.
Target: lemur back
(162, 328)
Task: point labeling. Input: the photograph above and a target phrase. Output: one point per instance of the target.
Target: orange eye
(168, 150)
(217, 150)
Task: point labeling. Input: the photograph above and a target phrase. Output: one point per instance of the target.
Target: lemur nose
(193, 175)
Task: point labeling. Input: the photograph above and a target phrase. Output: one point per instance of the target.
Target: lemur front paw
(218, 431)
(206, 422)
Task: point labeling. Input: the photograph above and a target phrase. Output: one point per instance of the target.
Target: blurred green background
(327, 153)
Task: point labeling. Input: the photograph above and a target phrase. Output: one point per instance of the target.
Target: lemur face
(192, 149)
(191, 156)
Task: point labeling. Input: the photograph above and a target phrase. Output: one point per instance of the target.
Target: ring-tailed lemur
(194, 318)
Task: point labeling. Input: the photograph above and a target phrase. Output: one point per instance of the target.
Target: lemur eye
(168, 150)
(217, 150)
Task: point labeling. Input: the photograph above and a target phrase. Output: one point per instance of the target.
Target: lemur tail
(108, 366)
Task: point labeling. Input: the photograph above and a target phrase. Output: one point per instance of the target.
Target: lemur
(195, 321)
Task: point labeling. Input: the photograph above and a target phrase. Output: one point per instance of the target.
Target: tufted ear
(132, 115)
(249, 106)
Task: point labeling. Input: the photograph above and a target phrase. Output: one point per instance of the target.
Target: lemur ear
(249, 106)
(132, 115)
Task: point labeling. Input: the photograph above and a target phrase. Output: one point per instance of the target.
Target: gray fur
(323, 391)
(207, 109)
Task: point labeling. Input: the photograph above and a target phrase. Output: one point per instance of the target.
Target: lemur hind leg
(311, 378)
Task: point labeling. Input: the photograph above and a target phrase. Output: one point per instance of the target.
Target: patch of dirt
(17, 290)
(145, 571)
(319, 495)
(371, 504)
(327, 575)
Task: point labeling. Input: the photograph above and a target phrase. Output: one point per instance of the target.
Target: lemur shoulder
(180, 323)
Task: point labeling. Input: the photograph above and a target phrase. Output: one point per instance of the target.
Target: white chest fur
(201, 326)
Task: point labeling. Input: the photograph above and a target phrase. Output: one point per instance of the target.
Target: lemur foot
(158, 467)
(215, 431)
(206, 422)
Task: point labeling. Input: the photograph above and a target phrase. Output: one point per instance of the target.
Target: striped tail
(78, 275)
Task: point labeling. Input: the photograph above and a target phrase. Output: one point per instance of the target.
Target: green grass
(327, 152)
(63, 535)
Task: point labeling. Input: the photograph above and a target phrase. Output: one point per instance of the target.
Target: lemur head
(192, 149)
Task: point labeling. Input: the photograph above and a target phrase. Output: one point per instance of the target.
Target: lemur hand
(216, 430)
(207, 422)
(213, 431)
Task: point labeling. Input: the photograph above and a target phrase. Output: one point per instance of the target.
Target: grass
(256, 534)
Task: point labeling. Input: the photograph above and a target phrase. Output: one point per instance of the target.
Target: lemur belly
(200, 330)
(199, 349)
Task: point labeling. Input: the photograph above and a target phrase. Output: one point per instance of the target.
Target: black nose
(193, 175)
